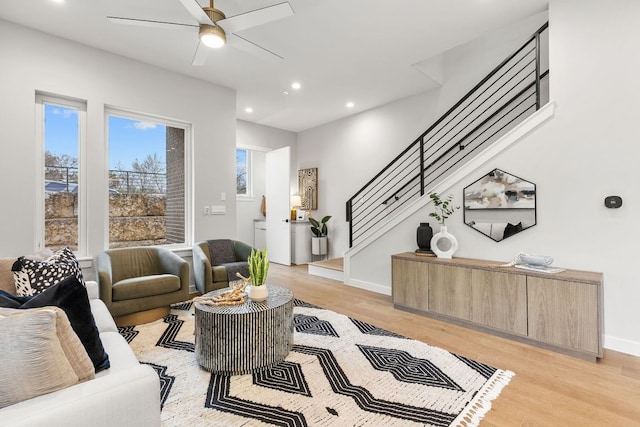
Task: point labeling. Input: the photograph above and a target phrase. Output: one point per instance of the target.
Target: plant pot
(443, 244)
(319, 245)
(257, 293)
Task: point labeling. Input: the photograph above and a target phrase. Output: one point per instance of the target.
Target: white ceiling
(339, 50)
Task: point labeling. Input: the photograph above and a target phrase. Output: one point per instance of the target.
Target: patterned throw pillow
(32, 277)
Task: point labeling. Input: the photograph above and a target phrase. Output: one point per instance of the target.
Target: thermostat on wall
(613, 202)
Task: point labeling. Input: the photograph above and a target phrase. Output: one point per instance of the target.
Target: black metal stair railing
(510, 93)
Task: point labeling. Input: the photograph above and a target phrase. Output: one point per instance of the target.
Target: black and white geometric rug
(341, 372)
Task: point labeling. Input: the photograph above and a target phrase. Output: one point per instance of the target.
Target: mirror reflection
(500, 205)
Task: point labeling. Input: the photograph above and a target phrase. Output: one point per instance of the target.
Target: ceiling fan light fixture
(213, 37)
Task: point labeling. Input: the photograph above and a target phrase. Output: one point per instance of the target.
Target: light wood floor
(549, 389)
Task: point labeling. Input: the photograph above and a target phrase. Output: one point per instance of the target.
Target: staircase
(505, 98)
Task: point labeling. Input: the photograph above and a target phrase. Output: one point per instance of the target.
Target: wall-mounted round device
(613, 202)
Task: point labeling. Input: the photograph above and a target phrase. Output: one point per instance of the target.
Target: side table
(239, 339)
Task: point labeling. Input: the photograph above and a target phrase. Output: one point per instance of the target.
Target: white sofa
(126, 394)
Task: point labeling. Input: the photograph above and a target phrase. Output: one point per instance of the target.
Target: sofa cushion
(43, 274)
(146, 286)
(221, 251)
(33, 360)
(71, 344)
(7, 280)
(70, 295)
(7, 283)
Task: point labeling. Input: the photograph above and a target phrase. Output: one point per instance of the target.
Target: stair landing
(331, 269)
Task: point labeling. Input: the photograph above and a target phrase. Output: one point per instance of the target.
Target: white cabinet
(260, 234)
(300, 242)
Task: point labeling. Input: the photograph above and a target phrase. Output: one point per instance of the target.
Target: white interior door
(277, 190)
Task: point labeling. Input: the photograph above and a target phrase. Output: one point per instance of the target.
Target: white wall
(259, 139)
(349, 152)
(588, 151)
(33, 61)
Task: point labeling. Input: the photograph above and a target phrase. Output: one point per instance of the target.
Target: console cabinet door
(410, 284)
(450, 291)
(563, 313)
(499, 301)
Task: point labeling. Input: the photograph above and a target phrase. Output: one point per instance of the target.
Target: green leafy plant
(319, 229)
(258, 266)
(444, 207)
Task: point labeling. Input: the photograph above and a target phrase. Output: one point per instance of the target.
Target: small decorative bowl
(536, 259)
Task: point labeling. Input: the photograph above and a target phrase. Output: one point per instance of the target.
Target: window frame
(41, 99)
(249, 194)
(188, 168)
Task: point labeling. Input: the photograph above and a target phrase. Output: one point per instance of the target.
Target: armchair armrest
(104, 276)
(173, 264)
(202, 273)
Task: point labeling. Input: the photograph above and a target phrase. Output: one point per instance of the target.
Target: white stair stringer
(510, 139)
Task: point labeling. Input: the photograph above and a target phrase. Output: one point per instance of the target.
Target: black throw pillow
(71, 296)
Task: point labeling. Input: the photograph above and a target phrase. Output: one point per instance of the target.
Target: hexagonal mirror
(500, 205)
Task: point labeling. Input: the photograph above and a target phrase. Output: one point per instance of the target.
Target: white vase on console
(444, 244)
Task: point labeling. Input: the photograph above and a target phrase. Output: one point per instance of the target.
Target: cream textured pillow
(33, 359)
(71, 345)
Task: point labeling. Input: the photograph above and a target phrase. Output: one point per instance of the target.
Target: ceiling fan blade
(200, 57)
(153, 24)
(194, 8)
(255, 17)
(251, 48)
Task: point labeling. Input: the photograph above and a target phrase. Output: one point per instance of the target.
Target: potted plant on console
(443, 244)
(319, 238)
(258, 269)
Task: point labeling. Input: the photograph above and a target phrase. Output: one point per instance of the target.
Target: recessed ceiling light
(248, 110)
(296, 85)
(57, 1)
(350, 104)
(284, 93)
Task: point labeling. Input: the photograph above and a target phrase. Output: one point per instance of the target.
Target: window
(147, 180)
(243, 175)
(61, 130)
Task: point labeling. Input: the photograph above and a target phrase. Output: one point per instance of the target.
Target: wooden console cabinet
(560, 311)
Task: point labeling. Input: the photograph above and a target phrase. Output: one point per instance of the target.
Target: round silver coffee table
(239, 339)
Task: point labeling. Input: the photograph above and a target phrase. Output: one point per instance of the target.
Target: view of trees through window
(61, 133)
(242, 176)
(146, 182)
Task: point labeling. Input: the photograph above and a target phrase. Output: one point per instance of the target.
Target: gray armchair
(215, 263)
(137, 279)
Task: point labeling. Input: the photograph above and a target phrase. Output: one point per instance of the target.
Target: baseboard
(622, 345)
(328, 273)
(367, 286)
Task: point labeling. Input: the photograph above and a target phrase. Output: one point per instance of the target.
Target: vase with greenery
(444, 207)
(319, 239)
(258, 270)
(443, 244)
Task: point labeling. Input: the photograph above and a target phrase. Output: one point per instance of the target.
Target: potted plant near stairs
(319, 239)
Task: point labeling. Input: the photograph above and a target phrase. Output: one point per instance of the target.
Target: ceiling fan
(215, 28)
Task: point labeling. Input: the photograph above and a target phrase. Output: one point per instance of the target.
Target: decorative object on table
(538, 263)
(319, 238)
(258, 270)
(296, 394)
(234, 296)
(308, 188)
(500, 205)
(295, 203)
(424, 234)
(443, 244)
